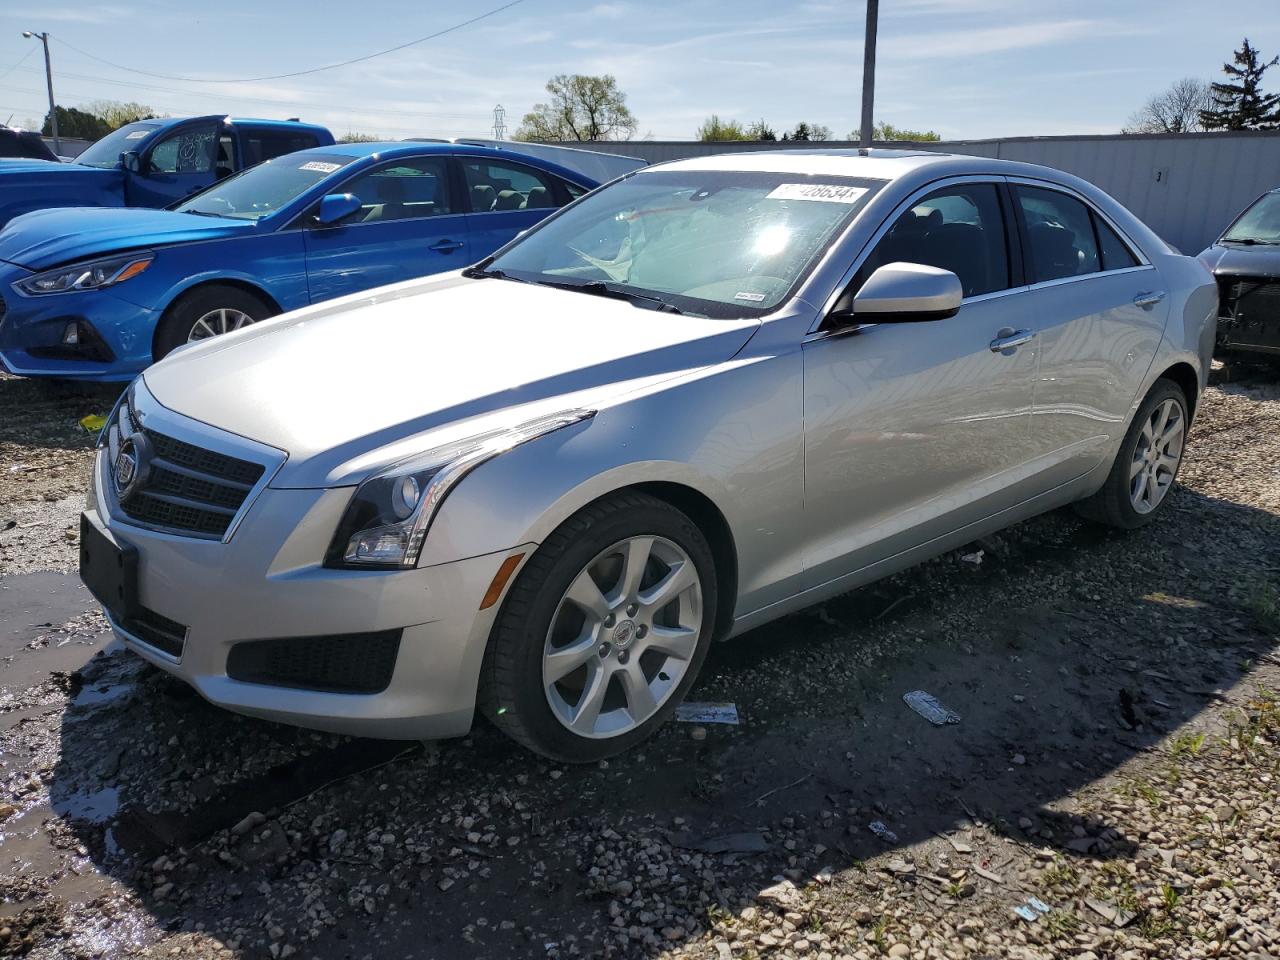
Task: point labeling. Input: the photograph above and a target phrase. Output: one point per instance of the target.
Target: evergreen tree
(1239, 103)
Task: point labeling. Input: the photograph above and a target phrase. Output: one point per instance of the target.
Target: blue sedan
(99, 294)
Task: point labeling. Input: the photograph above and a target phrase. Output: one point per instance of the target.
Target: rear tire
(205, 312)
(1146, 466)
(603, 632)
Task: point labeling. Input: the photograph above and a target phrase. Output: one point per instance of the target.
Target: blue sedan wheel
(208, 311)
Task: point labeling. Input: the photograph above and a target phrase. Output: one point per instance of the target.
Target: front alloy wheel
(219, 321)
(603, 631)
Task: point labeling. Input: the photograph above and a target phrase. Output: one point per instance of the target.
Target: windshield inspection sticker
(320, 167)
(825, 192)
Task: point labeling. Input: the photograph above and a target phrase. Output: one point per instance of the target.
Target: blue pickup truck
(151, 163)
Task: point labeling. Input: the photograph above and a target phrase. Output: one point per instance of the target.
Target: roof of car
(875, 163)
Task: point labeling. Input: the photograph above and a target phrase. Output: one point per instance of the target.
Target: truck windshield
(106, 152)
(715, 242)
(1259, 224)
(264, 189)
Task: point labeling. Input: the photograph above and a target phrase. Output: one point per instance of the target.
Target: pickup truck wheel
(603, 632)
(1144, 470)
(207, 312)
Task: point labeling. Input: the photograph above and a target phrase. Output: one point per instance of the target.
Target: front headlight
(389, 514)
(92, 275)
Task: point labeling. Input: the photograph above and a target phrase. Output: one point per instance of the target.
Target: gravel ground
(1113, 772)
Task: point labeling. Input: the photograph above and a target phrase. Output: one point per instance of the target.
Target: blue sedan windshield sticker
(320, 166)
(825, 192)
(136, 134)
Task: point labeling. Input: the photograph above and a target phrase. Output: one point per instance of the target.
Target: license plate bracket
(109, 568)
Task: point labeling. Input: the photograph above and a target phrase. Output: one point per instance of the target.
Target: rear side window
(1060, 236)
(1116, 254)
(495, 187)
(266, 145)
(958, 228)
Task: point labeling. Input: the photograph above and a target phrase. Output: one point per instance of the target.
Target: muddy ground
(1115, 764)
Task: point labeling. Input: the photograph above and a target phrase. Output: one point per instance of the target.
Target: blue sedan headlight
(91, 275)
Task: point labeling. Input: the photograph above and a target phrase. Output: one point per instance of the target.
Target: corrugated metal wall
(1186, 187)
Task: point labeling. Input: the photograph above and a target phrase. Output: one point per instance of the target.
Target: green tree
(116, 114)
(887, 131)
(761, 131)
(580, 108)
(352, 137)
(76, 125)
(715, 130)
(808, 131)
(1241, 105)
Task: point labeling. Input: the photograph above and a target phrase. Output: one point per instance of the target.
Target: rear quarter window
(265, 145)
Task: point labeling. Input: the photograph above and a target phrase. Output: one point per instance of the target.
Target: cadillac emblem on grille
(131, 465)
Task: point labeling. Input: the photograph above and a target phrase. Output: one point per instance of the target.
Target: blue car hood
(48, 238)
(10, 166)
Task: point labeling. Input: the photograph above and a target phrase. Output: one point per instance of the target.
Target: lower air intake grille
(342, 663)
(153, 629)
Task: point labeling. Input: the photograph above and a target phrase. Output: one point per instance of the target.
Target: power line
(21, 61)
(297, 73)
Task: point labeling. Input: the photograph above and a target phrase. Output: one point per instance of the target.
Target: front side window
(405, 190)
(1060, 238)
(1259, 224)
(266, 188)
(506, 186)
(959, 228)
(190, 150)
(716, 242)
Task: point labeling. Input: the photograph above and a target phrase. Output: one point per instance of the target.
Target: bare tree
(581, 108)
(1174, 110)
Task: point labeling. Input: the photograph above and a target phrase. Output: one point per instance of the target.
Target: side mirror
(131, 161)
(906, 293)
(335, 207)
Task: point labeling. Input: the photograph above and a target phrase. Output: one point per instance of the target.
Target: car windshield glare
(264, 189)
(718, 243)
(1259, 224)
(105, 153)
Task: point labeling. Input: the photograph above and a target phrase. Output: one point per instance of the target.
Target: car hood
(349, 386)
(1234, 260)
(11, 166)
(47, 238)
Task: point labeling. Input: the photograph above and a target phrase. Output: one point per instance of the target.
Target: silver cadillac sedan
(697, 399)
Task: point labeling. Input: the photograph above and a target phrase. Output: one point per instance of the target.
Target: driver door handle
(447, 246)
(1008, 340)
(1148, 299)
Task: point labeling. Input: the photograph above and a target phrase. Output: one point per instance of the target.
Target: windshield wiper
(479, 272)
(1252, 241)
(599, 288)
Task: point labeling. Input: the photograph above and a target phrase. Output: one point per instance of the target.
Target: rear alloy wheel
(1145, 468)
(208, 311)
(603, 632)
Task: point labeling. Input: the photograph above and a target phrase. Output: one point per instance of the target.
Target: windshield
(264, 189)
(1259, 224)
(106, 152)
(719, 243)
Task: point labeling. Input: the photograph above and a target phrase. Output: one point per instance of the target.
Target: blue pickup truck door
(176, 165)
(507, 197)
(407, 226)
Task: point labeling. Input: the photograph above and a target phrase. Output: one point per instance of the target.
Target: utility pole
(869, 74)
(499, 123)
(48, 77)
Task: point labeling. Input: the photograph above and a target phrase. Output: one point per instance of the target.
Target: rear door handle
(447, 246)
(1149, 299)
(1008, 340)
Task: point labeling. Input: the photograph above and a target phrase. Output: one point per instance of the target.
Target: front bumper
(266, 581)
(31, 326)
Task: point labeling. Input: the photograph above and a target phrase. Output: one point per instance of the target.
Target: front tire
(205, 312)
(1138, 486)
(603, 632)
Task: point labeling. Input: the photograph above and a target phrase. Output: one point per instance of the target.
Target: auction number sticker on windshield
(136, 134)
(320, 166)
(825, 192)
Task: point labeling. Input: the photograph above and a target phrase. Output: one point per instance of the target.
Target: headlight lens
(387, 520)
(94, 275)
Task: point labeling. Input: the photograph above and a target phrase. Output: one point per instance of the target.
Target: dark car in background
(1245, 261)
(24, 145)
